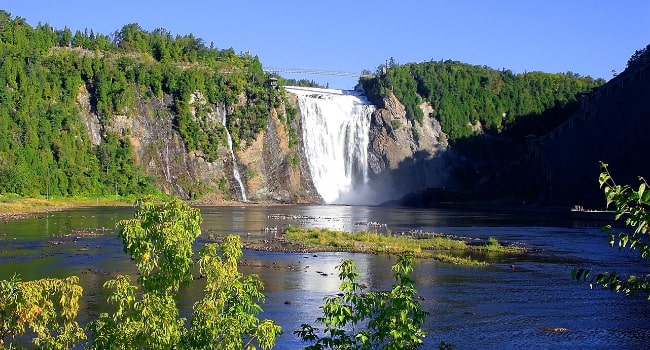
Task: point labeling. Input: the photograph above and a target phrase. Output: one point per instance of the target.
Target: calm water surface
(502, 306)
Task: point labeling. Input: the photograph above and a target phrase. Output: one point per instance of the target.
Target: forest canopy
(44, 145)
(469, 99)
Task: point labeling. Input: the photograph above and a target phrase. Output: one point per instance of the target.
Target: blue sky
(586, 37)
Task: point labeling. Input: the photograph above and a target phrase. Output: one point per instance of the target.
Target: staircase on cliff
(610, 126)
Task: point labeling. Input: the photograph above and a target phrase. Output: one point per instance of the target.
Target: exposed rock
(554, 329)
(271, 176)
(271, 169)
(91, 120)
(264, 162)
(404, 155)
(158, 148)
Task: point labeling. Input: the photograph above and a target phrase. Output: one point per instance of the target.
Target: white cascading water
(335, 130)
(235, 168)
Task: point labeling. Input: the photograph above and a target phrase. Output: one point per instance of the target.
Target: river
(505, 305)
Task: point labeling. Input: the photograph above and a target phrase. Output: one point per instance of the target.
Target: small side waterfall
(335, 127)
(235, 167)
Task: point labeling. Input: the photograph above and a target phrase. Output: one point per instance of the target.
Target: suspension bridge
(276, 70)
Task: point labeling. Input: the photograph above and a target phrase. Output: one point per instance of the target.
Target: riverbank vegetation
(145, 315)
(13, 206)
(445, 249)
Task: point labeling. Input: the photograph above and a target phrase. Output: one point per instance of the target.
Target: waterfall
(235, 169)
(335, 133)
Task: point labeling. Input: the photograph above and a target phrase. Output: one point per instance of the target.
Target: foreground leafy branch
(633, 205)
(355, 319)
(48, 307)
(228, 310)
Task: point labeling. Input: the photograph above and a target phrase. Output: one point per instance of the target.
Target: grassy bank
(442, 248)
(15, 206)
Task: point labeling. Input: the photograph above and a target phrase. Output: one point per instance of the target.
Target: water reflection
(502, 306)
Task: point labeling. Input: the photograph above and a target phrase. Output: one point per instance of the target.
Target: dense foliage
(45, 147)
(633, 206)
(639, 56)
(47, 308)
(159, 239)
(468, 100)
(301, 82)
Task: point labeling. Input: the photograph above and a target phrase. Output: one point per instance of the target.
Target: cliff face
(611, 126)
(562, 167)
(275, 171)
(406, 156)
(158, 148)
(264, 163)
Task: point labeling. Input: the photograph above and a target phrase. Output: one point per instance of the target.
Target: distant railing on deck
(317, 72)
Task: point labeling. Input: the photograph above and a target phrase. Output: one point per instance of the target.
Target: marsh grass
(459, 260)
(441, 248)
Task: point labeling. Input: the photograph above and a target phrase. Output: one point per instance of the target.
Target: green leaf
(623, 240)
(603, 178)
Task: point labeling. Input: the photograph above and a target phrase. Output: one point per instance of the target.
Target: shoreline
(14, 208)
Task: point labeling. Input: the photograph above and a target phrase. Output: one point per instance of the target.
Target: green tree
(159, 238)
(632, 205)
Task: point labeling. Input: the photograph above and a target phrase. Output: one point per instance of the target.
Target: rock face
(562, 167)
(158, 148)
(406, 156)
(275, 171)
(268, 174)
